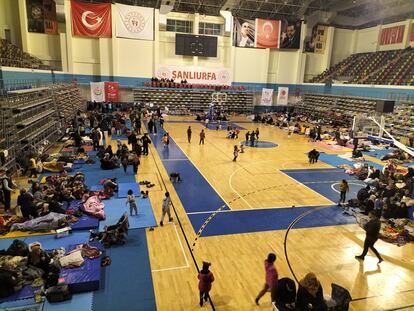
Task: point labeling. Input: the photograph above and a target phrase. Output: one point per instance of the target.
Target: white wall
(250, 65)
(9, 19)
(367, 40)
(343, 44)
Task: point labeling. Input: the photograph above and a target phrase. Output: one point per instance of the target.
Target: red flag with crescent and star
(91, 20)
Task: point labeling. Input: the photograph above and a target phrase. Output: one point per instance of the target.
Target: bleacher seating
(334, 109)
(394, 67)
(12, 56)
(175, 85)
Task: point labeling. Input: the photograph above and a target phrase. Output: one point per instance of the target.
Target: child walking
(132, 203)
(166, 204)
(235, 153)
(205, 278)
(271, 276)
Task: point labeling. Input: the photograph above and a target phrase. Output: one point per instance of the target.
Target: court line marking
(257, 208)
(277, 170)
(164, 160)
(218, 193)
(350, 183)
(182, 249)
(300, 183)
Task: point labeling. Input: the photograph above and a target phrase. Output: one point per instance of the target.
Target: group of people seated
(388, 192)
(42, 199)
(309, 295)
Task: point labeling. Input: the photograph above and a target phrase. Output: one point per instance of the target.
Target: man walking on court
(202, 137)
(372, 228)
(166, 204)
(189, 131)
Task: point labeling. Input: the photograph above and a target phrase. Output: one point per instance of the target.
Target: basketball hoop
(219, 97)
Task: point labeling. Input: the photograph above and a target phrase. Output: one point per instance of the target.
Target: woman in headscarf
(310, 294)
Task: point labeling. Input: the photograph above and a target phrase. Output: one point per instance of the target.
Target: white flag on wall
(282, 95)
(134, 22)
(267, 97)
(98, 92)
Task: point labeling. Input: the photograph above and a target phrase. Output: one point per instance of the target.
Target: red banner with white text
(112, 92)
(392, 35)
(91, 20)
(412, 33)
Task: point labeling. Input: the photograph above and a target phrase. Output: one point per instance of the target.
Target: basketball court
(271, 200)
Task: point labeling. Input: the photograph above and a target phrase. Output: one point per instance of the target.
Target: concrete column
(114, 45)
(156, 42)
(69, 38)
(195, 31)
(23, 25)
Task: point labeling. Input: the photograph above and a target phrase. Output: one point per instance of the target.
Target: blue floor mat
(96, 188)
(119, 137)
(123, 189)
(114, 208)
(79, 302)
(127, 284)
(268, 219)
(334, 160)
(50, 241)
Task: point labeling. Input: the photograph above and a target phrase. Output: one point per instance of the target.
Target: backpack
(341, 296)
(18, 248)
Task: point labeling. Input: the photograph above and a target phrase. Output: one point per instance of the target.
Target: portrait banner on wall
(316, 43)
(51, 25)
(282, 95)
(112, 91)
(267, 97)
(91, 20)
(243, 32)
(134, 22)
(412, 33)
(290, 36)
(267, 33)
(97, 92)
(41, 16)
(195, 75)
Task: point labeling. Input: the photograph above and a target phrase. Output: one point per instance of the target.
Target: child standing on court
(132, 203)
(205, 278)
(344, 188)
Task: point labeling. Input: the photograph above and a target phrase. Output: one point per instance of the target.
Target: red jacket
(204, 285)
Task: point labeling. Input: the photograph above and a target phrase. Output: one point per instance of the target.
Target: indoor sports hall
(206, 155)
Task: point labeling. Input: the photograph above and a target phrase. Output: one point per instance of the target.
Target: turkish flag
(112, 91)
(267, 33)
(91, 20)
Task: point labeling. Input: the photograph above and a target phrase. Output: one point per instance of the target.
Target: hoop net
(363, 126)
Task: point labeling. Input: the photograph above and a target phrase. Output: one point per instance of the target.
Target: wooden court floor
(254, 182)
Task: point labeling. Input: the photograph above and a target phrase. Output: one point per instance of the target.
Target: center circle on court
(259, 144)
